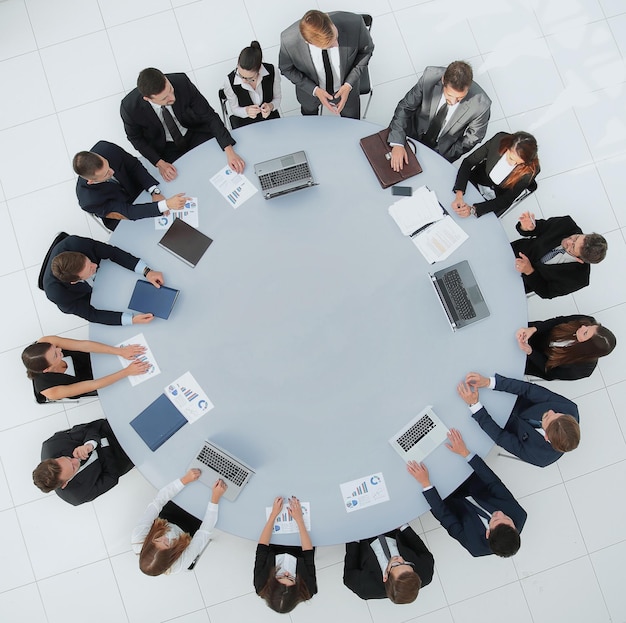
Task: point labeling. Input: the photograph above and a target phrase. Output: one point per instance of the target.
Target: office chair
(101, 223)
(532, 187)
(195, 560)
(42, 400)
(60, 236)
(365, 84)
(225, 116)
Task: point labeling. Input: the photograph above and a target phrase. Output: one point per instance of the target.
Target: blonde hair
(154, 561)
(317, 29)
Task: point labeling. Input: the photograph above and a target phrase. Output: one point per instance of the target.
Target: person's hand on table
(523, 265)
(527, 221)
(457, 445)
(252, 111)
(463, 210)
(266, 109)
(342, 94)
(477, 380)
(155, 278)
(277, 506)
(419, 471)
(168, 171)
(137, 367)
(468, 393)
(399, 157)
(219, 489)
(295, 509)
(523, 335)
(177, 201)
(235, 162)
(83, 452)
(130, 351)
(143, 318)
(190, 476)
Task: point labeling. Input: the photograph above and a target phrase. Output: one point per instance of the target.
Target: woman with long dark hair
(253, 89)
(501, 169)
(565, 347)
(284, 575)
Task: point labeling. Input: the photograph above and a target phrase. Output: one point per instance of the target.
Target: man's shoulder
(478, 95)
(563, 222)
(433, 72)
(340, 18)
(107, 149)
(179, 79)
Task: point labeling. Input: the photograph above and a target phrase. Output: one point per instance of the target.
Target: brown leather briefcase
(378, 152)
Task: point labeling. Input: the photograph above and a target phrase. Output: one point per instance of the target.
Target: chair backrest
(365, 85)
(222, 97)
(42, 400)
(60, 236)
(101, 222)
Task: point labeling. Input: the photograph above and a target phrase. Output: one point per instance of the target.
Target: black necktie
(535, 423)
(170, 124)
(383, 543)
(329, 73)
(431, 136)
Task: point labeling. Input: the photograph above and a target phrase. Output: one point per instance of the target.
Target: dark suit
(146, 132)
(265, 561)
(476, 168)
(417, 109)
(551, 280)
(106, 197)
(520, 437)
(362, 573)
(540, 342)
(75, 298)
(461, 519)
(98, 476)
(355, 49)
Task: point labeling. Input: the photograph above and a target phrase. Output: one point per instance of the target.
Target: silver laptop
(420, 436)
(459, 295)
(214, 463)
(283, 175)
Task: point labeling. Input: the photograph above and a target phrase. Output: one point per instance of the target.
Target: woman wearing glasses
(284, 575)
(253, 89)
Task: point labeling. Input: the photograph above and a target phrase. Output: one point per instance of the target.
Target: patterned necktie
(552, 254)
(431, 137)
(329, 73)
(170, 124)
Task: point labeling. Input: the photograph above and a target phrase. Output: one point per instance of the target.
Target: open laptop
(214, 463)
(283, 175)
(420, 436)
(459, 295)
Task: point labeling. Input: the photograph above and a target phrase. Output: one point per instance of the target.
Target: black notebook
(158, 422)
(150, 300)
(185, 242)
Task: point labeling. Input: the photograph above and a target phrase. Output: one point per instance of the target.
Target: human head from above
(456, 80)
(155, 87)
(318, 29)
(249, 62)
(92, 167)
(40, 357)
(562, 430)
(159, 550)
(520, 148)
(586, 248)
(284, 592)
(502, 535)
(591, 341)
(54, 474)
(402, 584)
(71, 267)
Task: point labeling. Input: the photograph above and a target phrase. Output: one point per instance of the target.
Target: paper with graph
(364, 492)
(188, 397)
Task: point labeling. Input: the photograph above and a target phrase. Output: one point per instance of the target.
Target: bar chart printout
(147, 355)
(284, 523)
(188, 397)
(364, 492)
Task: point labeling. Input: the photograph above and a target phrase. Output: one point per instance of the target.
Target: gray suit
(466, 128)
(355, 49)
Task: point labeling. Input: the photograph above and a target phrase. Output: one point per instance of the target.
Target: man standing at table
(542, 425)
(323, 55)
(446, 110)
(166, 116)
(481, 514)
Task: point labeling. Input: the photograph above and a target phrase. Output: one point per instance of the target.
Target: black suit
(362, 573)
(265, 561)
(100, 474)
(75, 298)
(551, 280)
(146, 132)
(106, 197)
(461, 519)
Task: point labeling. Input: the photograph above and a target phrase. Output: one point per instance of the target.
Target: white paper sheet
(284, 523)
(411, 213)
(147, 356)
(189, 214)
(188, 397)
(236, 188)
(364, 492)
(440, 240)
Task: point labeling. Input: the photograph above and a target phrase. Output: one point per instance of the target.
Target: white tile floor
(553, 67)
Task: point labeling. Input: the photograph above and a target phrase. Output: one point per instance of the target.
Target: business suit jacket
(265, 561)
(75, 298)
(361, 571)
(417, 109)
(101, 474)
(145, 130)
(476, 168)
(106, 197)
(540, 342)
(355, 49)
(518, 436)
(551, 280)
(461, 519)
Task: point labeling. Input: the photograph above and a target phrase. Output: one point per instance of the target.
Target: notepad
(158, 422)
(185, 242)
(150, 300)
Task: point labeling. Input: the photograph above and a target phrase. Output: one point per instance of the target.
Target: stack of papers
(413, 213)
(189, 214)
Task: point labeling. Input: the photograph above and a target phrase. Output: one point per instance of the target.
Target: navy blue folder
(150, 300)
(158, 422)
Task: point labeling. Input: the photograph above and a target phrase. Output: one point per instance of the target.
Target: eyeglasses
(248, 78)
(399, 564)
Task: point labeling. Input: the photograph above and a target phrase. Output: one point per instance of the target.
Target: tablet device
(150, 300)
(185, 242)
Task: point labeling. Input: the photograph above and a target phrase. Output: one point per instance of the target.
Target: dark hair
(316, 28)
(154, 561)
(525, 146)
(34, 358)
(600, 344)
(46, 475)
(250, 58)
(86, 163)
(67, 265)
(403, 588)
(594, 248)
(282, 598)
(458, 75)
(563, 433)
(150, 81)
(504, 540)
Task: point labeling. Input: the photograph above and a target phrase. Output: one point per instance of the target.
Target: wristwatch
(156, 191)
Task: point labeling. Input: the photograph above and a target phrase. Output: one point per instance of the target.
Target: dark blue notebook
(158, 422)
(150, 300)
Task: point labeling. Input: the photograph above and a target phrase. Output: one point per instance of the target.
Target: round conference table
(312, 326)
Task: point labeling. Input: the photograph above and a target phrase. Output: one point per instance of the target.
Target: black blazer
(100, 199)
(145, 130)
(461, 519)
(361, 571)
(265, 560)
(476, 168)
(540, 342)
(101, 474)
(76, 298)
(82, 369)
(551, 280)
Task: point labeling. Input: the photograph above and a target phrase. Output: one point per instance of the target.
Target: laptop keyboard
(458, 294)
(285, 176)
(418, 431)
(225, 468)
